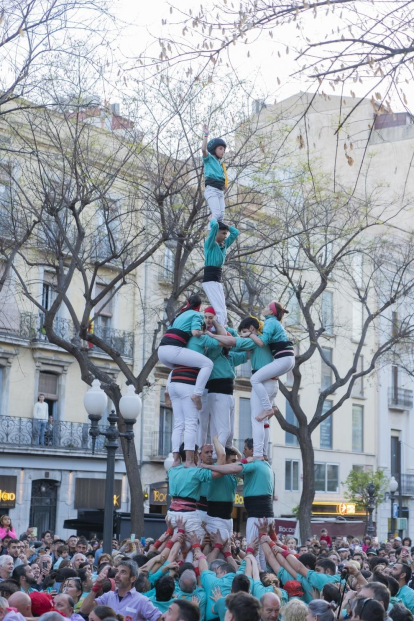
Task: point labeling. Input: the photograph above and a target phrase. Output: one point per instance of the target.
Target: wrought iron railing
(24, 432)
(32, 328)
(400, 398)
(161, 444)
(407, 484)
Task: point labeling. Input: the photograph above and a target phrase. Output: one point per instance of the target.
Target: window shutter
(48, 385)
(104, 307)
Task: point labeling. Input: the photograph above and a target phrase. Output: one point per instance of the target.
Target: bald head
(22, 602)
(270, 607)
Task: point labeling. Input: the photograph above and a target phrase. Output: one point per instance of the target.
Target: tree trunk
(308, 483)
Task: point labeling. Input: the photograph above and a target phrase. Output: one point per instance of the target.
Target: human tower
(202, 353)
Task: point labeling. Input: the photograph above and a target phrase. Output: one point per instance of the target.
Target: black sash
(212, 273)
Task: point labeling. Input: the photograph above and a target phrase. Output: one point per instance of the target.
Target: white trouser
(172, 356)
(278, 367)
(252, 533)
(215, 201)
(203, 421)
(258, 431)
(192, 521)
(185, 416)
(225, 527)
(220, 407)
(215, 293)
(266, 439)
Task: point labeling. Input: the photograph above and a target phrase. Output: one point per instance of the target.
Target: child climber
(215, 174)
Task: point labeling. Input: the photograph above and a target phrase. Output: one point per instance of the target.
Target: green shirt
(258, 479)
(201, 343)
(259, 589)
(188, 320)
(220, 608)
(153, 577)
(210, 581)
(407, 596)
(284, 576)
(185, 482)
(200, 593)
(213, 167)
(214, 254)
(222, 489)
(162, 606)
(260, 356)
(273, 331)
(318, 581)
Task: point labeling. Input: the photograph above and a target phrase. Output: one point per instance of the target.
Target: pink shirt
(11, 532)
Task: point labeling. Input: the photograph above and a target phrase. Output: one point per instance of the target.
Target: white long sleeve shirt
(41, 411)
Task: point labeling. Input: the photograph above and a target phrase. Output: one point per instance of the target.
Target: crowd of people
(220, 578)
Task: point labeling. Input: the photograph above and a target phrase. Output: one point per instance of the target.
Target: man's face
(30, 579)
(41, 398)
(366, 591)
(72, 542)
(396, 544)
(81, 548)
(115, 545)
(232, 459)
(78, 559)
(221, 236)
(333, 558)
(62, 605)
(172, 613)
(392, 556)
(344, 555)
(48, 539)
(206, 454)
(303, 550)
(319, 569)
(123, 578)
(358, 557)
(247, 452)
(13, 550)
(396, 571)
(270, 610)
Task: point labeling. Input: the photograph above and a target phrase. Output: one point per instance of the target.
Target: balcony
(400, 399)
(72, 437)
(161, 445)
(32, 328)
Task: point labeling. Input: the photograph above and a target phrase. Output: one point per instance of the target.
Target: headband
(273, 308)
(210, 309)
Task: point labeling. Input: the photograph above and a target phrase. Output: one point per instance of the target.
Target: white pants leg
(225, 527)
(185, 416)
(215, 293)
(220, 406)
(266, 439)
(203, 421)
(230, 438)
(215, 201)
(258, 431)
(251, 533)
(278, 367)
(172, 356)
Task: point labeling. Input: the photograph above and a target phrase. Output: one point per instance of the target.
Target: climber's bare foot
(265, 414)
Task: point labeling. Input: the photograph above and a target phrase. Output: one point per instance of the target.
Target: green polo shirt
(258, 479)
(162, 606)
(200, 593)
(185, 482)
(273, 331)
(259, 589)
(209, 581)
(260, 356)
(201, 343)
(222, 489)
(214, 254)
(284, 576)
(318, 581)
(213, 168)
(188, 320)
(407, 596)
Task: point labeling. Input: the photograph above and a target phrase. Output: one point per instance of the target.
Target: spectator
(324, 536)
(40, 417)
(82, 546)
(6, 527)
(295, 610)
(368, 610)
(6, 567)
(13, 551)
(8, 587)
(400, 613)
(100, 613)
(24, 577)
(62, 553)
(49, 431)
(22, 602)
(41, 603)
(73, 588)
(46, 539)
(244, 607)
(72, 541)
(65, 605)
(402, 573)
(78, 559)
(319, 610)
(50, 616)
(8, 615)
(180, 610)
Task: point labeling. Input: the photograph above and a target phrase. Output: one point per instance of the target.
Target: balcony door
(43, 505)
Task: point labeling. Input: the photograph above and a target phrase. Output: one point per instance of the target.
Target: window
(290, 438)
(357, 320)
(103, 309)
(244, 370)
(245, 423)
(5, 197)
(326, 427)
(291, 475)
(326, 371)
(48, 290)
(362, 468)
(358, 269)
(167, 268)
(49, 386)
(326, 478)
(357, 428)
(327, 311)
(165, 427)
(358, 387)
(394, 324)
(395, 456)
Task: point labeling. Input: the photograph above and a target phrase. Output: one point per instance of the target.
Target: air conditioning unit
(402, 523)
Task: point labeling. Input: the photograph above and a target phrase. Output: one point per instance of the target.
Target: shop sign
(8, 486)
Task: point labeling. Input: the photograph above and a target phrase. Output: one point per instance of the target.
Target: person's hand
(271, 529)
(180, 523)
(254, 544)
(226, 546)
(351, 568)
(206, 540)
(205, 129)
(177, 537)
(174, 566)
(192, 537)
(265, 539)
(164, 537)
(195, 600)
(216, 594)
(167, 399)
(103, 575)
(168, 522)
(23, 558)
(349, 595)
(219, 539)
(262, 526)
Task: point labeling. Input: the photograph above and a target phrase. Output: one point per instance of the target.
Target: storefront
(8, 487)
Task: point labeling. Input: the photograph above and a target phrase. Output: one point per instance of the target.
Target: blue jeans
(40, 428)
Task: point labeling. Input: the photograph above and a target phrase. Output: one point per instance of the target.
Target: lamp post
(393, 486)
(95, 402)
(370, 509)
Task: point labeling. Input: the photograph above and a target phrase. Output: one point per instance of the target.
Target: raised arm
(221, 453)
(293, 564)
(205, 140)
(220, 330)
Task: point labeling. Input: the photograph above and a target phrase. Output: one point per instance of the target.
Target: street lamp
(370, 509)
(392, 486)
(95, 402)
